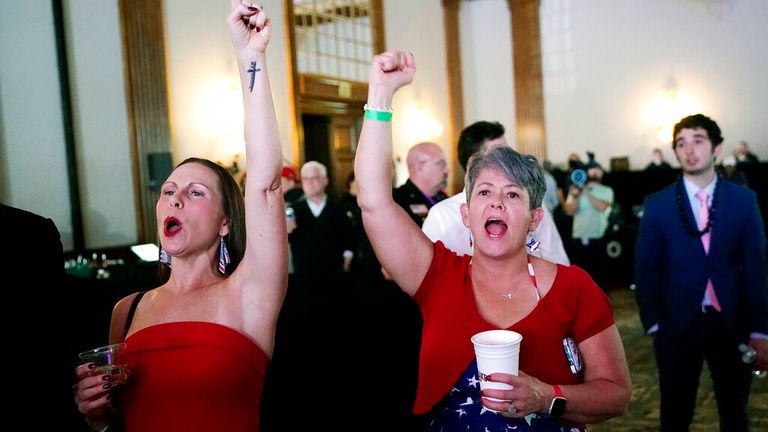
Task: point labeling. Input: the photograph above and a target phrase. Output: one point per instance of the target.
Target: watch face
(557, 407)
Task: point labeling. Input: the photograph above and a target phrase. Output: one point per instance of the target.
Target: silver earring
(223, 256)
(470, 239)
(165, 258)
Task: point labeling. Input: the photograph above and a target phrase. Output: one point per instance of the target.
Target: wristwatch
(557, 406)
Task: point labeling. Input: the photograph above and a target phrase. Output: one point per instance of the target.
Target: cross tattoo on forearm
(253, 69)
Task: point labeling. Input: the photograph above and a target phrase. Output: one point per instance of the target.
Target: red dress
(192, 376)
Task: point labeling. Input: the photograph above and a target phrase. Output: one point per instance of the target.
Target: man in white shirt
(444, 219)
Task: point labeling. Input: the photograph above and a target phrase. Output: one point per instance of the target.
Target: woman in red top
(198, 346)
(500, 287)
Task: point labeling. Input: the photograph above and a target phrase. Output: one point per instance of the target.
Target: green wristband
(383, 116)
(377, 113)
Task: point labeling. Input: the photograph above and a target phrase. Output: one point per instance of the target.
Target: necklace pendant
(508, 296)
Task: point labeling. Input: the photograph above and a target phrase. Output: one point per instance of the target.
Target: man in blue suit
(702, 281)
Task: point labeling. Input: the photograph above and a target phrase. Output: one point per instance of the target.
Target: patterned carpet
(643, 412)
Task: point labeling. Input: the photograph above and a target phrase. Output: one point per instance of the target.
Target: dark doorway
(317, 146)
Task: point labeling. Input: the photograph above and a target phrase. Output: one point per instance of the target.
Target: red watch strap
(557, 390)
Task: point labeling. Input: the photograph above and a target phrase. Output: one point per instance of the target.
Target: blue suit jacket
(671, 267)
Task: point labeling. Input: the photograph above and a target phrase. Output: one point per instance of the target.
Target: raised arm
(263, 272)
(403, 250)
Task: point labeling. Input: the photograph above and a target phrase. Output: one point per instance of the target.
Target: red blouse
(574, 307)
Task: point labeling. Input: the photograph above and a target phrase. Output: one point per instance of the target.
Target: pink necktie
(703, 220)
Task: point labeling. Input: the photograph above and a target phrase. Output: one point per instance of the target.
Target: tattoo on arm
(253, 69)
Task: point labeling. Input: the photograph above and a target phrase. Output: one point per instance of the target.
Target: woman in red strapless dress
(197, 347)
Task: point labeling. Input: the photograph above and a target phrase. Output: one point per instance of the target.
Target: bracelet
(376, 113)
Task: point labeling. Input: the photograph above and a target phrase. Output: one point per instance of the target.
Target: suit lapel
(722, 215)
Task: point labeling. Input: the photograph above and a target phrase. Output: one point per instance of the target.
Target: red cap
(289, 172)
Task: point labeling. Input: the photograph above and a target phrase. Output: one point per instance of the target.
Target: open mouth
(171, 226)
(495, 227)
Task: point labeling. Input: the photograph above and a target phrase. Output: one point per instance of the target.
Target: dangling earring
(470, 239)
(165, 258)
(533, 245)
(223, 256)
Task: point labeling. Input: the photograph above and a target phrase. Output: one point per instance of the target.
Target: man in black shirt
(427, 177)
(323, 239)
(36, 308)
(657, 161)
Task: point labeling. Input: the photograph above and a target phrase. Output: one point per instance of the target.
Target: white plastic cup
(497, 351)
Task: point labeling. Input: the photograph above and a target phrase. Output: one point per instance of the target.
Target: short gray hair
(522, 170)
(314, 165)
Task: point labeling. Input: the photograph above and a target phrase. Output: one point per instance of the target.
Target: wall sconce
(668, 108)
(220, 118)
(421, 126)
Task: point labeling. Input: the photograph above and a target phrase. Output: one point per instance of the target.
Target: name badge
(572, 355)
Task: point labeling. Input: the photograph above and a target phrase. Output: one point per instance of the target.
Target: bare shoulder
(123, 305)
(119, 317)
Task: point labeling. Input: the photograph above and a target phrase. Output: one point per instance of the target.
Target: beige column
(530, 134)
(147, 98)
(455, 91)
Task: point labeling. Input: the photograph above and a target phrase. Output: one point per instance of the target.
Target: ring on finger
(511, 410)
